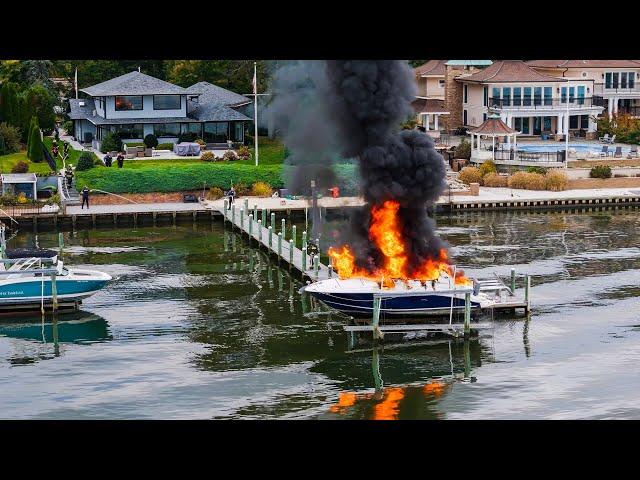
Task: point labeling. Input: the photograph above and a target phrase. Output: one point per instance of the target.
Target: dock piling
(293, 235)
(226, 208)
(467, 314)
(242, 218)
(270, 237)
(250, 226)
(283, 227)
(292, 245)
(375, 321)
(304, 251)
(54, 293)
(259, 231)
(246, 205)
(316, 265)
(279, 245)
(273, 220)
(264, 216)
(527, 289)
(255, 211)
(233, 215)
(513, 281)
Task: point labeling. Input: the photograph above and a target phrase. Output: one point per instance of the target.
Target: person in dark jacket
(108, 159)
(120, 159)
(85, 197)
(232, 195)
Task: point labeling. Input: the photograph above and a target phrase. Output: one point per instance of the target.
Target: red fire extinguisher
(335, 192)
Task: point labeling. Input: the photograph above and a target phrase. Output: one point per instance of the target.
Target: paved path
(136, 208)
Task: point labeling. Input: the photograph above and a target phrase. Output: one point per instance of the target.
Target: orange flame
(386, 232)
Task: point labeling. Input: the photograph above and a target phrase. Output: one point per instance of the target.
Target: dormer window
(128, 102)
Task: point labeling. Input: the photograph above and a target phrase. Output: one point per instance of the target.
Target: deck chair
(604, 139)
(612, 139)
(605, 151)
(633, 153)
(618, 153)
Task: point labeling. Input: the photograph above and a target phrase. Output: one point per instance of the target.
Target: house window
(615, 76)
(548, 93)
(166, 102)
(128, 102)
(495, 93)
(527, 96)
(584, 121)
(132, 131)
(441, 83)
(517, 96)
(506, 96)
(607, 80)
(537, 96)
(216, 132)
(581, 95)
(623, 79)
(166, 129)
(191, 128)
(237, 131)
(485, 99)
(632, 80)
(573, 121)
(464, 117)
(466, 93)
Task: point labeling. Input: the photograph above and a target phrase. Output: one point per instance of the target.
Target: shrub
(489, 166)
(169, 178)
(187, 137)
(470, 175)
(22, 198)
(20, 167)
(98, 163)
(111, 142)
(229, 155)
(527, 180)
(214, 193)
(200, 142)
(244, 153)
(242, 189)
(555, 180)
(600, 171)
(261, 189)
(7, 199)
(165, 146)
(540, 170)
(495, 180)
(248, 139)
(463, 150)
(208, 157)
(3, 149)
(11, 136)
(151, 141)
(68, 127)
(85, 161)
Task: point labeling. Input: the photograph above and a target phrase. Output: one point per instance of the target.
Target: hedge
(192, 176)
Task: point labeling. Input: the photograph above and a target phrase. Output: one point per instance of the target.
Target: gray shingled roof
(135, 83)
(79, 112)
(210, 93)
(211, 112)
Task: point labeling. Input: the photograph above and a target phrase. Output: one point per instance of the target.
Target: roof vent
(81, 103)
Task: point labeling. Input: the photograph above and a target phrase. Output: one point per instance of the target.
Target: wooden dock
(270, 238)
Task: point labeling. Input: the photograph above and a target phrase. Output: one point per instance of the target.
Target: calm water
(198, 325)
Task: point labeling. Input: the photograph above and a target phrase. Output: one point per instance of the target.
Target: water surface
(197, 324)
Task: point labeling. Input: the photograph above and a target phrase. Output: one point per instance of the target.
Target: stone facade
(452, 97)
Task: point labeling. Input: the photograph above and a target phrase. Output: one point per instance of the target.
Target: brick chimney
(452, 97)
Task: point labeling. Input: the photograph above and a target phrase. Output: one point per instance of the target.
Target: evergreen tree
(35, 145)
(33, 123)
(9, 109)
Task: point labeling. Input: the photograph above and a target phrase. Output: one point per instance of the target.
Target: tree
(38, 101)
(9, 108)
(35, 145)
(33, 123)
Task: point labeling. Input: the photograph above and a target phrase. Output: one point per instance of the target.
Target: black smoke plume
(367, 101)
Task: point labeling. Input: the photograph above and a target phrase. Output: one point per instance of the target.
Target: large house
(529, 101)
(136, 104)
(616, 83)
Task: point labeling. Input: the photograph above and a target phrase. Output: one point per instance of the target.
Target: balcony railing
(541, 103)
(506, 154)
(602, 88)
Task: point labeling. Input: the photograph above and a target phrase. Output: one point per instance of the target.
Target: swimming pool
(592, 148)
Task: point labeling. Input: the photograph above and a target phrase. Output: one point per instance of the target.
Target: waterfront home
(616, 83)
(136, 105)
(531, 102)
(437, 103)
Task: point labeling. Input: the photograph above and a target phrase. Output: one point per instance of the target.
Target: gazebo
(492, 127)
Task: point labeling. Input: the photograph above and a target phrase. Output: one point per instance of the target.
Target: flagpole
(255, 109)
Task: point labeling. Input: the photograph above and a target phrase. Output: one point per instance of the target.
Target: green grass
(7, 162)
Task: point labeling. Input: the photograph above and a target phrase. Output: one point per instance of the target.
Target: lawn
(7, 162)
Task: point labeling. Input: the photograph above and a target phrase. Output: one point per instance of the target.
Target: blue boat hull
(33, 291)
(361, 304)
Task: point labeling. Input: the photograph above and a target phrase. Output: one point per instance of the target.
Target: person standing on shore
(107, 160)
(120, 159)
(85, 197)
